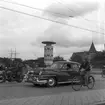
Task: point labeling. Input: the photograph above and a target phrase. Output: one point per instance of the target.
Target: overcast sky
(25, 33)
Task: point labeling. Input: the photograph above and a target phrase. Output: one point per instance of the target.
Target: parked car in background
(57, 73)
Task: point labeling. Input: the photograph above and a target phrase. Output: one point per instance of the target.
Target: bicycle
(78, 81)
(103, 72)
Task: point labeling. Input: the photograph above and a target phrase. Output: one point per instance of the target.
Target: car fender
(50, 76)
(53, 76)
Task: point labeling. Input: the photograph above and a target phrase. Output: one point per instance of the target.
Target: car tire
(35, 84)
(2, 79)
(51, 82)
(19, 81)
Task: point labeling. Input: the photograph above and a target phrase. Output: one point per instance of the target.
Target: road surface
(20, 90)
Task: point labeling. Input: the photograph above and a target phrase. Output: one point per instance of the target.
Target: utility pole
(102, 5)
(13, 54)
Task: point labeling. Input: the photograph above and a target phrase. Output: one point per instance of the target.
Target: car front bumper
(41, 82)
(35, 81)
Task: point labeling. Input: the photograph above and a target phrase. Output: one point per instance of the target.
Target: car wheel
(19, 80)
(35, 84)
(51, 82)
(2, 79)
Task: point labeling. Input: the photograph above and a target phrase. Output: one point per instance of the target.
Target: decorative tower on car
(48, 52)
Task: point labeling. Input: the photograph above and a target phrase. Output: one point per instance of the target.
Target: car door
(70, 72)
(74, 68)
(64, 74)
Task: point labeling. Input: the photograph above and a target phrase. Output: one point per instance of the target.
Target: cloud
(70, 9)
(66, 37)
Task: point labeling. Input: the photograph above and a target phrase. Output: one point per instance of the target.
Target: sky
(26, 32)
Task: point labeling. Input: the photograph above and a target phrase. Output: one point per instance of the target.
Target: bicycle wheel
(103, 75)
(91, 82)
(76, 83)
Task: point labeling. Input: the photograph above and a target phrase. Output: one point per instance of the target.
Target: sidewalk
(90, 97)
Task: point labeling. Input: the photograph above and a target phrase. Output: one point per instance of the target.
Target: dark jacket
(1, 68)
(85, 66)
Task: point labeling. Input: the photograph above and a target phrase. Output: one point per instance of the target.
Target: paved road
(20, 90)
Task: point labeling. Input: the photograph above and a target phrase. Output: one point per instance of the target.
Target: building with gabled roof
(92, 48)
(91, 53)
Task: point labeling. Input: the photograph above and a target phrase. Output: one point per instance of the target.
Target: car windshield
(56, 65)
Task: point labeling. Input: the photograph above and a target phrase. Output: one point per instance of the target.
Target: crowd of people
(15, 66)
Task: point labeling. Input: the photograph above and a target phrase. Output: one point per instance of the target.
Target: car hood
(45, 71)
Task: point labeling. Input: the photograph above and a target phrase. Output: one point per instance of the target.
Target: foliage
(40, 62)
(58, 58)
(76, 58)
(30, 62)
(8, 62)
(5, 61)
(18, 60)
(37, 62)
(99, 57)
(98, 60)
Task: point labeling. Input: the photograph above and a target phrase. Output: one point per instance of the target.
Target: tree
(40, 62)
(76, 58)
(58, 58)
(5, 61)
(99, 57)
(98, 60)
(30, 62)
(18, 60)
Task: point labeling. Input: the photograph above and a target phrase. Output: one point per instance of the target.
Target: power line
(94, 21)
(34, 8)
(13, 54)
(79, 15)
(50, 20)
(50, 11)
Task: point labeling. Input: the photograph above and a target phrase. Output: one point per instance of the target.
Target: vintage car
(57, 73)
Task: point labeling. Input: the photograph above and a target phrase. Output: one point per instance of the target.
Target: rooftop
(67, 62)
(92, 48)
(48, 42)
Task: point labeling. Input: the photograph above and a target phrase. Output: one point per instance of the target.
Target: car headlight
(1, 72)
(40, 72)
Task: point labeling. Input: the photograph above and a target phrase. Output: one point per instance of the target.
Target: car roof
(67, 62)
